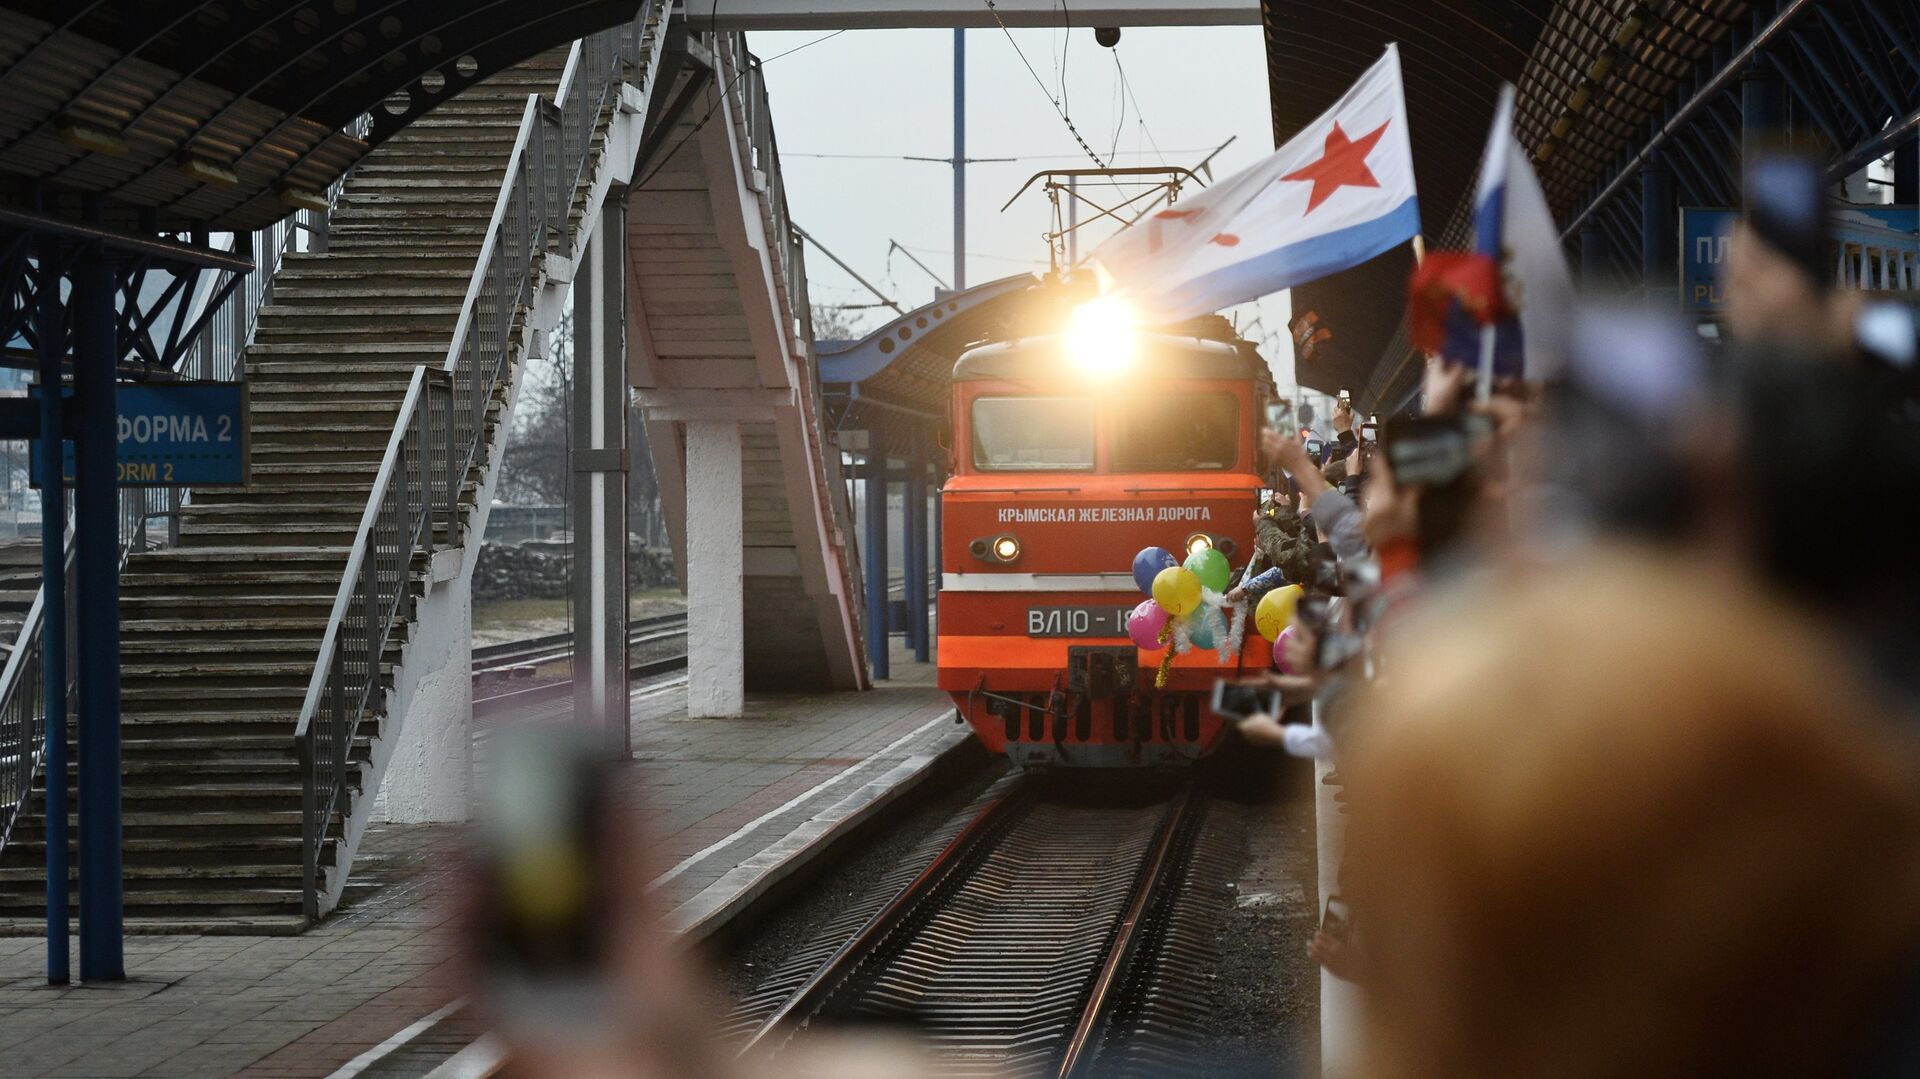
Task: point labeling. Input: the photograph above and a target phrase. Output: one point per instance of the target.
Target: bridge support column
(716, 624)
(873, 560)
(1659, 232)
(600, 463)
(1906, 173)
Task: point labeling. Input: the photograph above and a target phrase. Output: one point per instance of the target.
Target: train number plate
(1099, 621)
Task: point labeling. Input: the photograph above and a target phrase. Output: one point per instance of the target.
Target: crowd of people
(1616, 673)
(1613, 670)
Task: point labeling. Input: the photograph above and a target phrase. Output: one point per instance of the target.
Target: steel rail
(1083, 1046)
(945, 868)
(554, 646)
(855, 977)
(552, 691)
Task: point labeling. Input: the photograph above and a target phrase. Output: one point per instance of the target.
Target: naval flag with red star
(1337, 194)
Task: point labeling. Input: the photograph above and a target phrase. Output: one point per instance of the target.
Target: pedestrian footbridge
(297, 650)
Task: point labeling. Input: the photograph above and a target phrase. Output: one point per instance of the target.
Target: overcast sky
(889, 93)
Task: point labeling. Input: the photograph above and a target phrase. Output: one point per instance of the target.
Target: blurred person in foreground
(566, 948)
(1824, 403)
(1613, 817)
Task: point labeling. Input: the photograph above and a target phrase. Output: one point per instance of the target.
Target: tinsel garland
(1166, 656)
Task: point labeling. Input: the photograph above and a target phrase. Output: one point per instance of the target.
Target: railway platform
(738, 808)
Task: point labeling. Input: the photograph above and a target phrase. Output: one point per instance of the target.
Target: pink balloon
(1144, 624)
(1280, 651)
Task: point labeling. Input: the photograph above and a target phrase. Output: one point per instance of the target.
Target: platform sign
(1706, 235)
(177, 434)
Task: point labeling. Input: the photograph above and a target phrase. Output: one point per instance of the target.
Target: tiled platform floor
(730, 801)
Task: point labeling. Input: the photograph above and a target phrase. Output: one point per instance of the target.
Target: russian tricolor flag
(1337, 194)
(1513, 227)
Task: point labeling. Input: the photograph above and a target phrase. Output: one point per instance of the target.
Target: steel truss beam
(1860, 104)
(947, 14)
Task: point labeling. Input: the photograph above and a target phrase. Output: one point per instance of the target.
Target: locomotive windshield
(1033, 434)
(1175, 433)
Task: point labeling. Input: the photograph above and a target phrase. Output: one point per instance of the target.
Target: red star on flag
(1343, 163)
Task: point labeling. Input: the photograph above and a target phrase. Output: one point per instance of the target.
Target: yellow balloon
(1276, 610)
(1177, 589)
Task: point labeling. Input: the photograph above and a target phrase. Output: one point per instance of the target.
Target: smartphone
(1280, 418)
(1237, 700)
(1336, 921)
(1315, 447)
(1428, 451)
(545, 879)
(1370, 431)
(1346, 397)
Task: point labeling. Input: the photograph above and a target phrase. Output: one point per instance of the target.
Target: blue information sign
(1705, 237)
(177, 434)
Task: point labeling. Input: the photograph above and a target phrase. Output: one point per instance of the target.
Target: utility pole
(959, 159)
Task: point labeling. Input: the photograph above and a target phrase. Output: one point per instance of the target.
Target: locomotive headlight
(1006, 548)
(1198, 542)
(1102, 338)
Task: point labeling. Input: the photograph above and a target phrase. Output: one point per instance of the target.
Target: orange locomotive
(1062, 472)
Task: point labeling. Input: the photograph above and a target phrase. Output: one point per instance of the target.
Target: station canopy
(226, 115)
(1588, 74)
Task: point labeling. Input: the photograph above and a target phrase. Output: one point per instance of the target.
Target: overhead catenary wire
(1139, 114)
(1042, 84)
(851, 272)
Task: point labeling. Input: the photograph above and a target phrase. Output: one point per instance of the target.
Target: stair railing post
(342, 739)
(309, 845)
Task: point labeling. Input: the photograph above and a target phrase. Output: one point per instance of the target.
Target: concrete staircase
(221, 632)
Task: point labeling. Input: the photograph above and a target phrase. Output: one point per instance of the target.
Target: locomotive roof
(1163, 354)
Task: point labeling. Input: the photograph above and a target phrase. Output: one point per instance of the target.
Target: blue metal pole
(97, 610)
(53, 611)
(876, 552)
(959, 160)
(916, 567)
(1593, 255)
(1659, 231)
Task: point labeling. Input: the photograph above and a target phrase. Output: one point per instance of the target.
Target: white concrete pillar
(716, 639)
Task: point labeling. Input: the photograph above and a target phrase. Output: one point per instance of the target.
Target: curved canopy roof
(906, 364)
(226, 114)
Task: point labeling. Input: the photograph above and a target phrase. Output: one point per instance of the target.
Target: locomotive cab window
(1175, 433)
(1033, 434)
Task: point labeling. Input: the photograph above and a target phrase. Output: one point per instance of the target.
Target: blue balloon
(1201, 635)
(1148, 564)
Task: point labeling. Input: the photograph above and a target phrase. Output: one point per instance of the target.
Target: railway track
(516, 656)
(1049, 936)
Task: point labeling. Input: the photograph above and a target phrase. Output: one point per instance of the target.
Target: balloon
(1177, 590)
(1211, 567)
(1144, 624)
(1280, 651)
(1276, 610)
(1201, 634)
(1148, 564)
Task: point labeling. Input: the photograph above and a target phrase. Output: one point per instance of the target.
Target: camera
(1433, 451)
(1238, 700)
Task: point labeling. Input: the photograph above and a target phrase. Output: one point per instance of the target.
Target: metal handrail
(760, 163)
(214, 354)
(552, 154)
